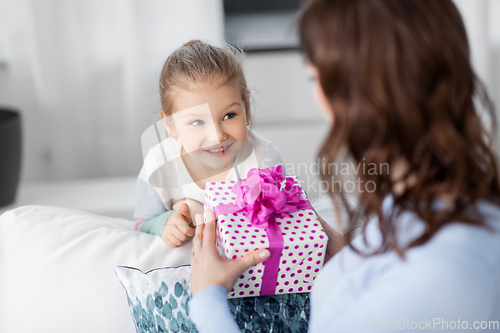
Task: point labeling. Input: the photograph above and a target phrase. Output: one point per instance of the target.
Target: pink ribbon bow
(265, 195)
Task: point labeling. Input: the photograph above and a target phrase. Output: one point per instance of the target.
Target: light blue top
(451, 281)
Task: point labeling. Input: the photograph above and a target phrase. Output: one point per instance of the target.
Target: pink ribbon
(263, 196)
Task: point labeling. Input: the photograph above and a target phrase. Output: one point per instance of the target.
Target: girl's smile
(220, 150)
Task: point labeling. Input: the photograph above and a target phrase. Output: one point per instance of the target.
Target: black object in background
(10, 154)
(262, 25)
(259, 6)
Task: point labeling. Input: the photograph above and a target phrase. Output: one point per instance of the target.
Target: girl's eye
(197, 122)
(229, 116)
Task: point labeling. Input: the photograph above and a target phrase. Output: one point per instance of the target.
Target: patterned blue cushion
(158, 302)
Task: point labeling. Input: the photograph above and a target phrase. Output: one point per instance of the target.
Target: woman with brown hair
(395, 78)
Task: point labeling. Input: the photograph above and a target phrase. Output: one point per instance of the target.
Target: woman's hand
(208, 267)
(336, 240)
(178, 227)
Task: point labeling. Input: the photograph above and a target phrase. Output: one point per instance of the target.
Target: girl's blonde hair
(198, 62)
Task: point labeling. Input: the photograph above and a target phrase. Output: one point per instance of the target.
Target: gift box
(268, 210)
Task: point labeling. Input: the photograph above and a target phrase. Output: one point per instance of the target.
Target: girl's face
(211, 124)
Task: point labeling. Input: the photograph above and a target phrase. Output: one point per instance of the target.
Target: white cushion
(57, 269)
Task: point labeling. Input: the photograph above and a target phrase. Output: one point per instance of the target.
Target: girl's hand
(335, 239)
(194, 206)
(208, 267)
(178, 227)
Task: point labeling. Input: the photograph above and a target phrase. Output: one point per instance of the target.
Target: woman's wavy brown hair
(398, 78)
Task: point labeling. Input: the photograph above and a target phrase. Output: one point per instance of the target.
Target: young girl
(206, 112)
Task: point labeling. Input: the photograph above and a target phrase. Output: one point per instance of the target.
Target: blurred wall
(483, 30)
(85, 76)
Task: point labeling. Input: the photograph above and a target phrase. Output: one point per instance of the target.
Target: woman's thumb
(252, 259)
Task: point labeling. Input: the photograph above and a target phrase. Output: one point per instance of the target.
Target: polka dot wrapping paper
(302, 255)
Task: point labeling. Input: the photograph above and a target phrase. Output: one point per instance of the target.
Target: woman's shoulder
(472, 243)
(457, 248)
(459, 262)
(460, 244)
